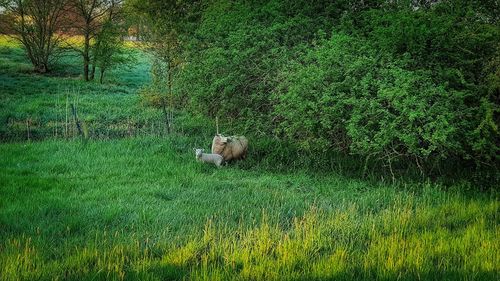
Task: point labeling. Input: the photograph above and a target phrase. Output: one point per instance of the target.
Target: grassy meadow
(37, 106)
(128, 203)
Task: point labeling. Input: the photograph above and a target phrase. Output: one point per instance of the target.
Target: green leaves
(347, 95)
(406, 79)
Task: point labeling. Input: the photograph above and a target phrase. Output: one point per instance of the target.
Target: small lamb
(208, 157)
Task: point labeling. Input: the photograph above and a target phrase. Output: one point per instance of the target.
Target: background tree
(37, 25)
(91, 15)
(167, 24)
(108, 50)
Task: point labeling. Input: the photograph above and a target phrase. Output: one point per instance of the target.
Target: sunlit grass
(143, 209)
(343, 245)
(9, 41)
(78, 40)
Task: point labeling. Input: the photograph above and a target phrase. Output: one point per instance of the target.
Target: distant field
(41, 104)
(130, 204)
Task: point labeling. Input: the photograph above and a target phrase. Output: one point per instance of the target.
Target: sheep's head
(198, 152)
(221, 139)
(219, 143)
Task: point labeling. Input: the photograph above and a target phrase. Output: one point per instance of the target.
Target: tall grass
(143, 209)
(404, 242)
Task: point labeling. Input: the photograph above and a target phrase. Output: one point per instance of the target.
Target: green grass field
(43, 103)
(138, 206)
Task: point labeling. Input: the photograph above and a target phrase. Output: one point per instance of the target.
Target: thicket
(409, 81)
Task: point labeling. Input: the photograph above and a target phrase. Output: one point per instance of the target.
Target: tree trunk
(94, 58)
(165, 114)
(92, 72)
(86, 58)
(170, 97)
(101, 78)
(41, 68)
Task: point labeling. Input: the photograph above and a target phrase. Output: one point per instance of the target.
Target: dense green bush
(344, 95)
(407, 80)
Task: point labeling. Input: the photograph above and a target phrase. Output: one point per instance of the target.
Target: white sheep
(208, 157)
